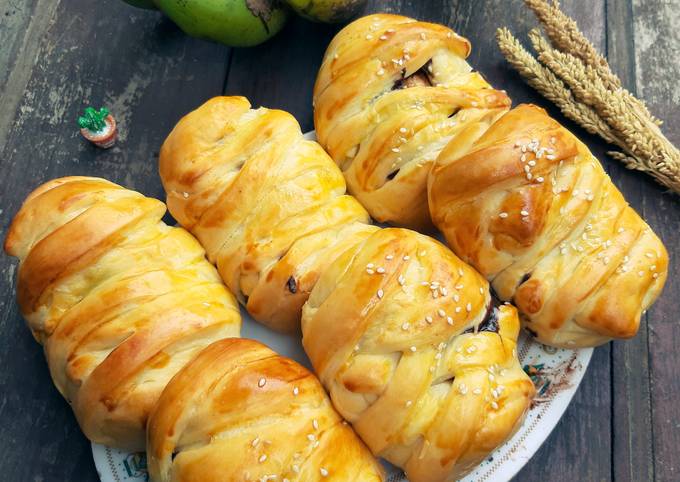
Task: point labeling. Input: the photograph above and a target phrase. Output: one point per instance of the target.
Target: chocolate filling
(291, 284)
(419, 78)
(490, 321)
(392, 175)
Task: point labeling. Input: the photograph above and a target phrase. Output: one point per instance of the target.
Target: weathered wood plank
(632, 449)
(149, 74)
(657, 45)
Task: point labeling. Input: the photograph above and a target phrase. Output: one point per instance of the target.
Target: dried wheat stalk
(570, 72)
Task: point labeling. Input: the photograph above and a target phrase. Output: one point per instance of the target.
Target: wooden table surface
(58, 56)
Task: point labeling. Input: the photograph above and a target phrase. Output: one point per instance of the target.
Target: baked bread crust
(119, 300)
(240, 412)
(405, 338)
(528, 205)
(390, 94)
(268, 206)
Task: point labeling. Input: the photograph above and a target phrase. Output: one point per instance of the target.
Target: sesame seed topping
(381, 72)
(370, 271)
(503, 215)
(491, 377)
(311, 437)
(296, 390)
(468, 307)
(406, 326)
(261, 382)
(471, 349)
(255, 441)
(383, 37)
(649, 255)
(529, 176)
(441, 312)
(449, 320)
(456, 298)
(459, 286)
(315, 424)
(477, 391)
(401, 280)
(262, 458)
(413, 349)
(296, 469)
(406, 258)
(532, 163)
(422, 35)
(380, 293)
(655, 275)
(369, 37)
(324, 472)
(481, 290)
(395, 149)
(457, 310)
(381, 270)
(409, 403)
(524, 212)
(539, 179)
(185, 194)
(462, 389)
(389, 257)
(428, 319)
(494, 405)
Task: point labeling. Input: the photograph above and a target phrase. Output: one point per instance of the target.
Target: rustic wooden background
(56, 56)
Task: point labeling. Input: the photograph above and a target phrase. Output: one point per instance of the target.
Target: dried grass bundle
(569, 72)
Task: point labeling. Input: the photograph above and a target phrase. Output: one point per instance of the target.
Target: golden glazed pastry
(268, 206)
(405, 338)
(120, 300)
(239, 412)
(527, 204)
(390, 94)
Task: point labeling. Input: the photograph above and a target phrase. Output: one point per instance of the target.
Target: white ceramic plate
(558, 373)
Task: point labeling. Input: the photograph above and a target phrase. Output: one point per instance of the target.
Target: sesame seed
(296, 390)
(462, 389)
(370, 271)
(428, 319)
(539, 179)
(468, 307)
(413, 349)
(477, 391)
(255, 441)
(652, 267)
(406, 326)
(494, 405)
(441, 312)
(406, 258)
(443, 291)
(422, 36)
(422, 253)
(296, 469)
(185, 194)
(459, 349)
(457, 310)
(532, 163)
(369, 37)
(503, 215)
(491, 377)
(315, 424)
(553, 140)
(401, 280)
(380, 293)
(471, 349)
(524, 212)
(262, 458)
(261, 382)
(456, 298)
(381, 72)
(381, 270)
(655, 275)
(459, 286)
(425, 283)
(481, 290)
(383, 37)
(494, 392)
(649, 255)
(389, 257)
(335, 56)
(449, 320)
(409, 403)
(311, 437)
(324, 472)
(449, 34)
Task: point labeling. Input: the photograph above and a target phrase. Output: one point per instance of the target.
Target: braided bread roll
(406, 340)
(540, 218)
(390, 94)
(268, 206)
(120, 300)
(240, 412)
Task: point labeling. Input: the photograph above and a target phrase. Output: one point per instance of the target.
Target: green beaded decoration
(93, 120)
